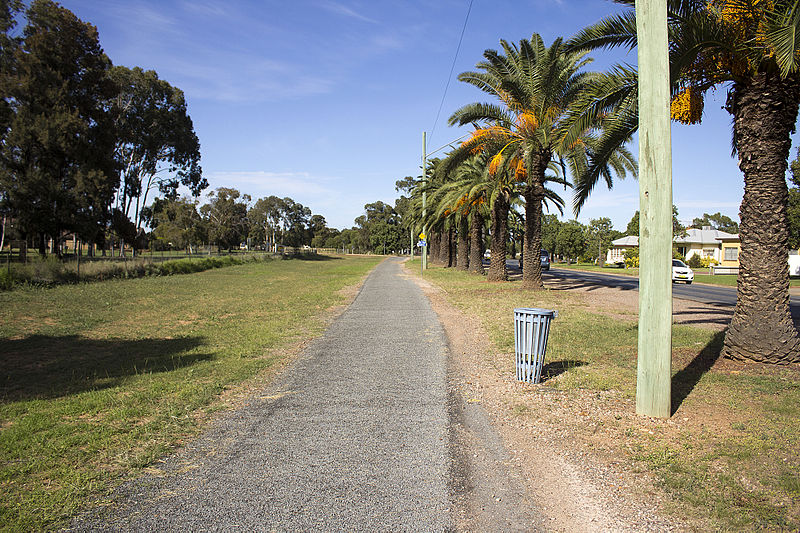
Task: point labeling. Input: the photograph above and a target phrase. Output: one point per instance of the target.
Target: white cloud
(336, 7)
(261, 183)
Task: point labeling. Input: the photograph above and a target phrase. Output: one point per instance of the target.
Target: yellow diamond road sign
(422, 236)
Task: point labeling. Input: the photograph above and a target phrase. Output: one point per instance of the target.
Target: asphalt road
(698, 292)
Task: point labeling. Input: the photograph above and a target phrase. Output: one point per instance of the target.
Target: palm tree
(472, 185)
(464, 197)
(527, 133)
(751, 46)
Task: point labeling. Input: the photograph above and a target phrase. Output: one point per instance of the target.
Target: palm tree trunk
(462, 253)
(433, 246)
(761, 329)
(497, 264)
(476, 243)
(445, 248)
(532, 242)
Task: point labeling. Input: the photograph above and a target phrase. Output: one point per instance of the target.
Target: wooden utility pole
(424, 201)
(653, 383)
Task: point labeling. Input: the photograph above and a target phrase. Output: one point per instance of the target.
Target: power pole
(653, 383)
(424, 202)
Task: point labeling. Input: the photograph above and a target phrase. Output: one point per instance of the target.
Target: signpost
(653, 382)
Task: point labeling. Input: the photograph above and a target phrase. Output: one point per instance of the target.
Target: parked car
(681, 272)
(545, 260)
(487, 254)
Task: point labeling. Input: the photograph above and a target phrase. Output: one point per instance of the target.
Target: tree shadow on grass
(556, 368)
(49, 367)
(685, 380)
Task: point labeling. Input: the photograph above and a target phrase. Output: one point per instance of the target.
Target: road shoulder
(568, 487)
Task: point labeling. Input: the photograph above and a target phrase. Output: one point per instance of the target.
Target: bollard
(531, 327)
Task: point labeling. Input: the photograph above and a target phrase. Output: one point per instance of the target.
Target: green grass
(730, 451)
(100, 379)
(51, 271)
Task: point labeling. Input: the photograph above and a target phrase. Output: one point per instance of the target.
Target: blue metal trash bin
(531, 327)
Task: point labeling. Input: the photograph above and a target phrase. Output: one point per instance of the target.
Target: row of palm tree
(550, 122)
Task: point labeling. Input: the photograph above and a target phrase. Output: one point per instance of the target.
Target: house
(719, 245)
(731, 246)
(616, 254)
(710, 243)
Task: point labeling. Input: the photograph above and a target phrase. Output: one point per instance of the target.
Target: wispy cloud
(247, 79)
(261, 183)
(322, 194)
(143, 16)
(341, 9)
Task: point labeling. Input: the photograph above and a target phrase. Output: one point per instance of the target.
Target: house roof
(704, 236)
(693, 236)
(627, 240)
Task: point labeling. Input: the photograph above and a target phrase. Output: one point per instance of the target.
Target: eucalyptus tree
(265, 218)
(58, 169)
(226, 217)
(751, 48)
(528, 132)
(156, 146)
(176, 222)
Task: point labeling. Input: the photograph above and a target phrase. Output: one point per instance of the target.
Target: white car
(681, 272)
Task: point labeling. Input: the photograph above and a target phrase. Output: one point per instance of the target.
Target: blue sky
(325, 101)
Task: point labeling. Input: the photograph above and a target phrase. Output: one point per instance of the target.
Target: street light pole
(653, 382)
(424, 236)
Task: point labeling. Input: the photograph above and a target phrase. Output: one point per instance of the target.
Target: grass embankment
(699, 276)
(730, 451)
(99, 380)
(51, 271)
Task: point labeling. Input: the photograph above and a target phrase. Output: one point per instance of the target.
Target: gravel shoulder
(574, 484)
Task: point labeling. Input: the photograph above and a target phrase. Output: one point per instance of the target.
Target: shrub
(632, 257)
(695, 261)
(6, 280)
(708, 261)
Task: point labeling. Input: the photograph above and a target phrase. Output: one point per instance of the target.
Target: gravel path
(354, 436)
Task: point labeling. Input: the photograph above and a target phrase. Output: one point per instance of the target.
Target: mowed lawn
(730, 453)
(98, 380)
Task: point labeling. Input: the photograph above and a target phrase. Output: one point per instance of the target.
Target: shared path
(354, 436)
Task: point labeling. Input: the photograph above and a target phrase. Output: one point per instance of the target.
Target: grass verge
(51, 271)
(730, 450)
(99, 380)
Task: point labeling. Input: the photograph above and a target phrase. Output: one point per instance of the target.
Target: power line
(452, 67)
